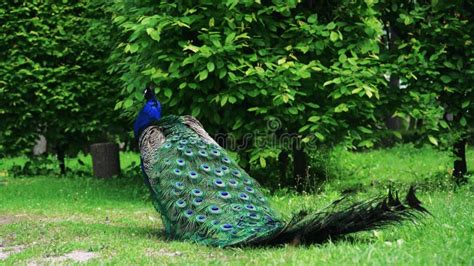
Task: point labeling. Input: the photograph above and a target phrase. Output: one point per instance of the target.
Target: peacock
(204, 196)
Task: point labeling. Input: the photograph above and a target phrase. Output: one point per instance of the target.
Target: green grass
(51, 216)
(401, 164)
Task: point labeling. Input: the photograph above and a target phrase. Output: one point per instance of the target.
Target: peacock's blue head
(150, 113)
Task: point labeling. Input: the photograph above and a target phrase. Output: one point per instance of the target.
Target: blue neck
(149, 114)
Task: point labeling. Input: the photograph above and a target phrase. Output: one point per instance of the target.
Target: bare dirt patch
(75, 256)
(8, 219)
(163, 253)
(6, 252)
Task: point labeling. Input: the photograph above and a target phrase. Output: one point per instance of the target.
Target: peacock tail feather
(201, 193)
(204, 196)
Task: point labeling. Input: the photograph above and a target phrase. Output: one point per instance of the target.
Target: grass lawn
(44, 218)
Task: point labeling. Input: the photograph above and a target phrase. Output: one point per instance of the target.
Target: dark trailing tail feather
(340, 219)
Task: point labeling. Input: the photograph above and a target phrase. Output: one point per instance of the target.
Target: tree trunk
(412, 125)
(393, 123)
(283, 166)
(460, 165)
(105, 159)
(61, 155)
(300, 167)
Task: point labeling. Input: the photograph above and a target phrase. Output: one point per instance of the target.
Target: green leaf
(224, 99)
(222, 73)
(168, 92)
(365, 130)
(463, 121)
(449, 65)
(320, 136)
(331, 25)
(314, 118)
(366, 143)
(203, 75)
(154, 34)
(304, 128)
(128, 103)
(196, 111)
(443, 124)
(313, 18)
(465, 104)
(293, 110)
(341, 108)
(397, 134)
(263, 163)
(433, 140)
(445, 78)
(342, 58)
(232, 99)
(211, 22)
(229, 38)
(210, 66)
(237, 124)
(334, 36)
(118, 105)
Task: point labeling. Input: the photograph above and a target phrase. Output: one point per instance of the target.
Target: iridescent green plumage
(202, 194)
(205, 197)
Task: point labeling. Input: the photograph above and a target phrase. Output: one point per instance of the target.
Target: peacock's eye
(243, 196)
(218, 182)
(200, 218)
(250, 207)
(236, 173)
(196, 192)
(254, 216)
(188, 213)
(236, 207)
(197, 201)
(192, 175)
(205, 167)
(268, 218)
(214, 209)
(224, 194)
(179, 185)
(181, 203)
(233, 183)
(226, 227)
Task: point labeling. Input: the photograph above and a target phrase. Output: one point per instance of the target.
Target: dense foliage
(273, 79)
(430, 51)
(241, 65)
(53, 78)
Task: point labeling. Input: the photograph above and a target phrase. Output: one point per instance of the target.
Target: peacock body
(204, 196)
(201, 193)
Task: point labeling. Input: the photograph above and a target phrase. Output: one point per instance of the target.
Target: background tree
(238, 64)
(53, 78)
(431, 50)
